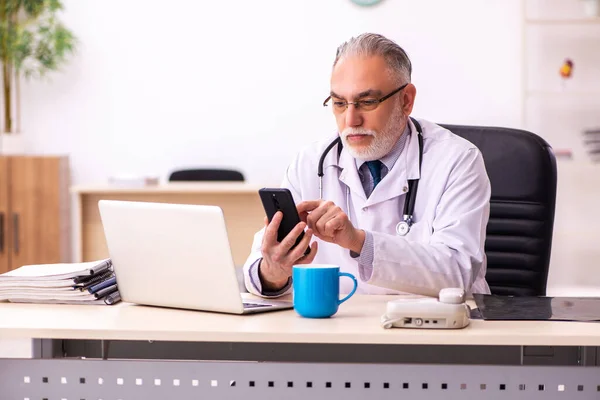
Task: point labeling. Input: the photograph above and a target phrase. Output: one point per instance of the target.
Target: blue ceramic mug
(317, 289)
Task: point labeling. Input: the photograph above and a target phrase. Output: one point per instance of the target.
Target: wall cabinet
(34, 211)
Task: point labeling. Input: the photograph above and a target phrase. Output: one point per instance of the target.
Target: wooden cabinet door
(4, 214)
(39, 210)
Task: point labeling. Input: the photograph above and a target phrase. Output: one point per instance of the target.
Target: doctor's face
(369, 134)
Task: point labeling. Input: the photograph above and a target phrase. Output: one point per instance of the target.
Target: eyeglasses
(363, 105)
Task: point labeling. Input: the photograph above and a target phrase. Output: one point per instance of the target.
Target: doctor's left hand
(330, 224)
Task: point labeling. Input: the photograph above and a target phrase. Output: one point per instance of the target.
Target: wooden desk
(357, 322)
(356, 325)
(240, 203)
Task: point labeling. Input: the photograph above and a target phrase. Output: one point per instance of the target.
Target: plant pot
(12, 144)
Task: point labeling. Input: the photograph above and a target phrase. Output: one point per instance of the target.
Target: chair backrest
(522, 171)
(206, 174)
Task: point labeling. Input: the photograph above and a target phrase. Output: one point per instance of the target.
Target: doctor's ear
(407, 99)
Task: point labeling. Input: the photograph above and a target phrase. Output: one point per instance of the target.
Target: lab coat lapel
(412, 156)
(349, 175)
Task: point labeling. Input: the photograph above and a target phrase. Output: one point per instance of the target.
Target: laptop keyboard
(254, 305)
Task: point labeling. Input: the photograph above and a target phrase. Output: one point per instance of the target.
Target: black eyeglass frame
(372, 102)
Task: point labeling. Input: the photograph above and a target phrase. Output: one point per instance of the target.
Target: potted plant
(33, 42)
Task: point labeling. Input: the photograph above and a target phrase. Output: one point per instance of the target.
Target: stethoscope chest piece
(402, 228)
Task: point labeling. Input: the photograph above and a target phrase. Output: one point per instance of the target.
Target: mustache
(358, 131)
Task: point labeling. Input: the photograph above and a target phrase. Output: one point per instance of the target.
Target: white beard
(381, 144)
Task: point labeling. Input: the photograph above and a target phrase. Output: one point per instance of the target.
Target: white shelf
(552, 31)
(532, 93)
(573, 21)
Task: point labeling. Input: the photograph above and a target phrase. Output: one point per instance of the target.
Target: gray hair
(372, 44)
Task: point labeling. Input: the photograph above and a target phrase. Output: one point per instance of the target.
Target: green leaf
(54, 5)
(33, 8)
(23, 48)
(32, 38)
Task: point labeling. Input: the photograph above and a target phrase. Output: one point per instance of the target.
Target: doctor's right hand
(275, 268)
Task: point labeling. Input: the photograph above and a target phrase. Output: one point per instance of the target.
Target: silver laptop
(175, 255)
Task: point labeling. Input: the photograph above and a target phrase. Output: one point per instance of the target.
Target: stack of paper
(75, 283)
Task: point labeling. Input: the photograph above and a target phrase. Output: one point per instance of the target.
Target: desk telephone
(447, 311)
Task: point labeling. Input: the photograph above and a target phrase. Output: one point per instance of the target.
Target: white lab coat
(445, 245)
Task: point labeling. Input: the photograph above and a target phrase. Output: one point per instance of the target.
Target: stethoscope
(403, 227)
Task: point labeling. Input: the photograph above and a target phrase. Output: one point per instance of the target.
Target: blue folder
(99, 286)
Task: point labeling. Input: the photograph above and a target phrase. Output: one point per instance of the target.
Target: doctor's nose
(353, 116)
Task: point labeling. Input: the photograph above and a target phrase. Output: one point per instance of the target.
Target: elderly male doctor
(355, 223)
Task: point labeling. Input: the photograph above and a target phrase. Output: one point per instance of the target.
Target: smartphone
(280, 199)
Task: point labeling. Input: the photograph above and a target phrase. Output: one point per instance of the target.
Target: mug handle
(353, 290)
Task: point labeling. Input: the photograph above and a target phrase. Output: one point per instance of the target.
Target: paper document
(55, 271)
(91, 282)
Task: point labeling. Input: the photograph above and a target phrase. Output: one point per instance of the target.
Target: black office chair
(522, 171)
(206, 174)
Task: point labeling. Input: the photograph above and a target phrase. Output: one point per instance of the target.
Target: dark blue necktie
(375, 168)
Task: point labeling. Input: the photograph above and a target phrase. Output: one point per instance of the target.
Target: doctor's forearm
(423, 268)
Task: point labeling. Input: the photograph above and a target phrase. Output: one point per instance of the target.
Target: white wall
(157, 85)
